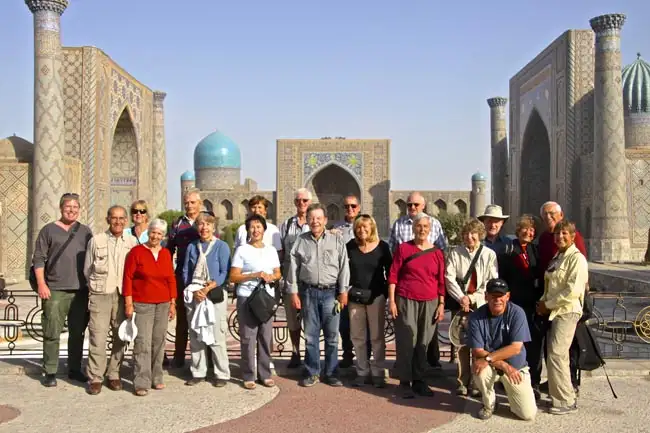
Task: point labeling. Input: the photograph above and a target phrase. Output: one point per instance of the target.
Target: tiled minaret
(499, 154)
(610, 240)
(49, 145)
(159, 155)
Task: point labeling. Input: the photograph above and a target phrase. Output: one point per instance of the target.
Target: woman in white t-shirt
(252, 263)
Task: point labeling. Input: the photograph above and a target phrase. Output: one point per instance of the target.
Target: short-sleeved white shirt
(251, 260)
(271, 236)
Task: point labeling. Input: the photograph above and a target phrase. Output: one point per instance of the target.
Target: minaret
(188, 182)
(499, 148)
(49, 135)
(477, 195)
(610, 225)
(159, 155)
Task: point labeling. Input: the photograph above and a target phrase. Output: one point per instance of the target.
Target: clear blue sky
(417, 72)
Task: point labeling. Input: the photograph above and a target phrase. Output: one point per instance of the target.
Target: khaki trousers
(560, 388)
(106, 313)
(149, 347)
(520, 396)
(364, 318)
(414, 327)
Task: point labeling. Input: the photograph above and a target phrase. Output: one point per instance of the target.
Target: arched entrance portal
(124, 162)
(535, 168)
(330, 186)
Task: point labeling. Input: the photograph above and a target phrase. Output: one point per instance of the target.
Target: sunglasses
(413, 204)
(138, 211)
(71, 195)
(350, 206)
(362, 215)
(302, 200)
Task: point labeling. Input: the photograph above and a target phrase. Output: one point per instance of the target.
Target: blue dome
(478, 176)
(636, 86)
(216, 151)
(188, 175)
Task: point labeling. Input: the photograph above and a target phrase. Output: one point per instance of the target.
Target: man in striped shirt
(289, 231)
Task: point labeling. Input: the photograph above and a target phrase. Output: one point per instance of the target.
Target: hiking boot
(461, 390)
(49, 380)
(563, 410)
(309, 381)
(485, 412)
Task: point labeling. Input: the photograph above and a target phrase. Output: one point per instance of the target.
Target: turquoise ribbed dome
(188, 175)
(478, 176)
(636, 86)
(216, 151)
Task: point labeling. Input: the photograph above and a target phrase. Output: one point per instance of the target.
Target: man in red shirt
(551, 214)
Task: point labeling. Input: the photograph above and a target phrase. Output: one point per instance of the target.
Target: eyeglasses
(413, 204)
(350, 206)
(139, 211)
(302, 200)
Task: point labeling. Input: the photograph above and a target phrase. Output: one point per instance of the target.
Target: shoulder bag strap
(59, 253)
(418, 254)
(472, 266)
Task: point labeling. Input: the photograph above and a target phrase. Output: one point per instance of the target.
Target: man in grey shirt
(318, 280)
(62, 287)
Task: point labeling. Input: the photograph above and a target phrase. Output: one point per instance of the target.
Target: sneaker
(461, 390)
(309, 381)
(359, 381)
(346, 362)
(219, 383)
(295, 361)
(49, 380)
(77, 375)
(563, 410)
(406, 390)
(379, 381)
(333, 381)
(421, 388)
(194, 381)
(485, 412)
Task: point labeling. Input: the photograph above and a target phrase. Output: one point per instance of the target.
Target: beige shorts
(291, 313)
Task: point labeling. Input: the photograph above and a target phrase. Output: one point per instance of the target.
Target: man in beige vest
(104, 270)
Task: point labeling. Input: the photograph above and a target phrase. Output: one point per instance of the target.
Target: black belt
(319, 286)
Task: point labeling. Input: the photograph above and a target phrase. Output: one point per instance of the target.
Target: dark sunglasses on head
(413, 204)
(350, 206)
(362, 215)
(138, 211)
(302, 200)
(72, 195)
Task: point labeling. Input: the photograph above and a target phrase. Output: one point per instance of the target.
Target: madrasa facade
(98, 132)
(330, 168)
(579, 135)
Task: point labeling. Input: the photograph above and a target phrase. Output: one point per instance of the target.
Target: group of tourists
(521, 298)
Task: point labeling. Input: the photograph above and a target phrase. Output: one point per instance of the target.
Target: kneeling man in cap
(497, 333)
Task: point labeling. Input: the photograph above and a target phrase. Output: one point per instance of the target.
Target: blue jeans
(318, 313)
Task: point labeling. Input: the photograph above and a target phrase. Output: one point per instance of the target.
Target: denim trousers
(318, 314)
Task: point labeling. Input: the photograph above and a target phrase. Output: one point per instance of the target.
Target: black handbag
(32, 274)
(260, 304)
(216, 295)
(360, 296)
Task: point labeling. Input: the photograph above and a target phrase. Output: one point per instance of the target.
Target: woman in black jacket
(518, 266)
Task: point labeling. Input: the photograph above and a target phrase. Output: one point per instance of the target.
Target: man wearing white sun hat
(493, 220)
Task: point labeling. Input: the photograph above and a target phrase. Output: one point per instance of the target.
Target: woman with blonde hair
(370, 260)
(469, 267)
(140, 219)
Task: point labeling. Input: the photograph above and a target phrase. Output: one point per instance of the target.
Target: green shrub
(451, 225)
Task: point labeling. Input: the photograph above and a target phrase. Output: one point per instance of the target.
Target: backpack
(590, 357)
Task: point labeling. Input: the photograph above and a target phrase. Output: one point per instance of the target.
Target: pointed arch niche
(330, 185)
(535, 167)
(124, 162)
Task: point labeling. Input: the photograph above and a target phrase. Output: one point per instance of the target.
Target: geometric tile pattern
(14, 181)
(314, 161)
(88, 127)
(159, 156)
(639, 200)
(72, 77)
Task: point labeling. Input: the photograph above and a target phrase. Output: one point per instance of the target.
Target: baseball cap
(497, 285)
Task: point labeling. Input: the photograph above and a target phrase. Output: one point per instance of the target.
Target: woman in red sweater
(150, 291)
(416, 300)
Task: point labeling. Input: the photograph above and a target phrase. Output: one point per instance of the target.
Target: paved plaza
(26, 406)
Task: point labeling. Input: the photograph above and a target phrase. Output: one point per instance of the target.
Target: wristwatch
(488, 359)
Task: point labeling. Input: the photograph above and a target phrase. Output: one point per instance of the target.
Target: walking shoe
(359, 381)
(194, 381)
(473, 392)
(406, 390)
(461, 390)
(379, 381)
(219, 383)
(346, 362)
(309, 381)
(485, 412)
(94, 388)
(421, 388)
(77, 376)
(333, 381)
(49, 380)
(295, 361)
(543, 387)
(563, 410)
(114, 384)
